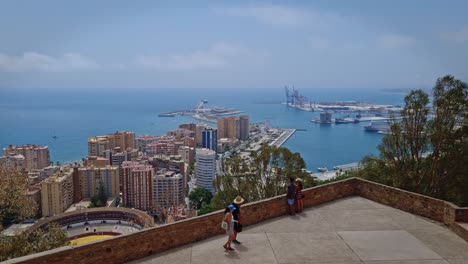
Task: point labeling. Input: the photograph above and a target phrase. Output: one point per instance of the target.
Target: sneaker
(236, 241)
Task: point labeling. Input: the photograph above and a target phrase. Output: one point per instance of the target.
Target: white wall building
(205, 168)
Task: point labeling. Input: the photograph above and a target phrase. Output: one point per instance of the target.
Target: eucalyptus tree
(260, 175)
(448, 132)
(403, 149)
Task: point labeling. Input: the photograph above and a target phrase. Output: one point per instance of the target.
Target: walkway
(347, 231)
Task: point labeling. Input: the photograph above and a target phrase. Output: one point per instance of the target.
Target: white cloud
(457, 36)
(34, 61)
(395, 41)
(218, 56)
(278, 15)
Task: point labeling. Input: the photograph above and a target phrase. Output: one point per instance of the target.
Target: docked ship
(346, 120)
(376, 126)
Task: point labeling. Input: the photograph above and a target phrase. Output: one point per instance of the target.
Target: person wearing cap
(229, 219)
(237, 216)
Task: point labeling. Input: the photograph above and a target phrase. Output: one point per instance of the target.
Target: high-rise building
(35, 156)
(142, 141)
(116, 157)
(187, 154)
(168, 189)
(16, 162)
(210, 139)
(198, 134)
(222, 127)
(123, 140)
(97, 145)
(181, 133)
(137, 185)
(57, 193)
(189, 126)
(91, 178)
(229, 127)
(244, 127)
(205, 168)
(96, 161)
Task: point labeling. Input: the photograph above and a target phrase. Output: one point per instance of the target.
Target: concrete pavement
(346, 231)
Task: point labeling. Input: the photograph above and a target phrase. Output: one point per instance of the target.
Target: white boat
(322, 169)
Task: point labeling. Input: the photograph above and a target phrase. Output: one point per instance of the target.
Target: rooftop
(345, 231)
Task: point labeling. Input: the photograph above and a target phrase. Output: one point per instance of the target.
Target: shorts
(290, 201)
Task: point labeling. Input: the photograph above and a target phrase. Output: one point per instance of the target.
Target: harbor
(295, 100)
(327, 175)
(203, 113)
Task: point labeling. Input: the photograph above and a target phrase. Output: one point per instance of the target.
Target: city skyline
(244, 45)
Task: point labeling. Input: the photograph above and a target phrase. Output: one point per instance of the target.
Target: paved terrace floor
(346, 231)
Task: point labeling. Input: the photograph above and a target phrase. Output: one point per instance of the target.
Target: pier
(283, 137)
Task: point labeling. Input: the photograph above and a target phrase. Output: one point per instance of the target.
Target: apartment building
(57, 193)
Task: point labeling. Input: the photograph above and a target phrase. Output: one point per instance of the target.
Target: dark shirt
(236, 212)
(291, 191)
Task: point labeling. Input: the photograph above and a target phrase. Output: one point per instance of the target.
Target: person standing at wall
(291, 195)
(299, 195)
(237, 217)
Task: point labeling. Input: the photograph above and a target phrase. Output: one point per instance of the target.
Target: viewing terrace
(349, 221)
(346, 231)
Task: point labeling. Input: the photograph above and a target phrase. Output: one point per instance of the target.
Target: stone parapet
(157, 239)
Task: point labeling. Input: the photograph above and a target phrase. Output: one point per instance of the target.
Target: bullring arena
(88, 225)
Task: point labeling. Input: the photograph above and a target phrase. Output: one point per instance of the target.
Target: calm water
(34, 117)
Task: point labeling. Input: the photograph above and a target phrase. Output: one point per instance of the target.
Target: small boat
(322, 169)
(54, 137)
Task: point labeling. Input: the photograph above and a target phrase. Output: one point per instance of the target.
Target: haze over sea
(35, 116)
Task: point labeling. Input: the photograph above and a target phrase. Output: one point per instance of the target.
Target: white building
(205, 168)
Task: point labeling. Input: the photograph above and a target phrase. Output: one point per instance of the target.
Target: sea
(65, 119)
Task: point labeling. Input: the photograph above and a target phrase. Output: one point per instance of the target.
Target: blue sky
(231, 44)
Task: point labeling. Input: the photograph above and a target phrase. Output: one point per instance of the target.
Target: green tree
(262, 175)
(200, 196)
(205, 209)
(448, 132)
(29, 243)
(100, 199)
(403, 149)
(14, 203)
(427, 154)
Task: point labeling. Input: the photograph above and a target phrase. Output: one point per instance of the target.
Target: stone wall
(150, 241)
(153, 240)
(461, 215)
(407, 201)
(417, 204)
